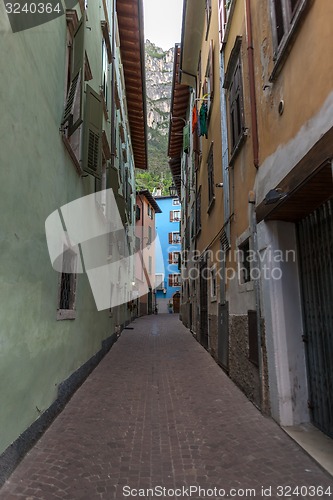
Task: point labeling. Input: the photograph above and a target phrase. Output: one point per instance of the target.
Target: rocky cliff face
(159, 70)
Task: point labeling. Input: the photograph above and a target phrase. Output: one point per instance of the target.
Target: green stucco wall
(37, 176)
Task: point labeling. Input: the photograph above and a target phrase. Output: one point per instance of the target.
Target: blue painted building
(166, 270)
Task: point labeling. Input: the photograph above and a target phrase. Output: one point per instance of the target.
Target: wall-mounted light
(173, 190)
(274, 195)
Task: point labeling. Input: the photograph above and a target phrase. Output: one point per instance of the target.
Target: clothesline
(199, 120)
(203, 98)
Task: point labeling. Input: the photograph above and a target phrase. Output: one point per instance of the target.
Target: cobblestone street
(159, 412)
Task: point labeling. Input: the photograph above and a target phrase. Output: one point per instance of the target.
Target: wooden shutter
(171, 215)
(78, 46)
(186, 138)
(73, 113)
(92, 144)
(113, 180)
(113, 183)
(170, 238)
(170, 257)
(199, 81)
(211, 70)
(170, 279)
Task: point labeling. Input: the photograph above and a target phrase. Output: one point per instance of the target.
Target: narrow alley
(158, 412)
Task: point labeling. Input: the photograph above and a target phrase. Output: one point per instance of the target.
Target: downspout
(255, 146)
(256, 283)
(254, 122)
(112, 133)
(113, 83)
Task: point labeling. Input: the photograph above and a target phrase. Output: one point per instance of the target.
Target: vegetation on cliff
(159, 70)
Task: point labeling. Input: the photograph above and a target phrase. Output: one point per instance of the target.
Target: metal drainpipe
(112, 132)
(254, 122)
(255, 146)
(257, 298)
(113, 83)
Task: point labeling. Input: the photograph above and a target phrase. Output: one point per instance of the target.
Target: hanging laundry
(194, 119)
(203, 115)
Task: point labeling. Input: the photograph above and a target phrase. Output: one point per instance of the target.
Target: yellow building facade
(262, 197)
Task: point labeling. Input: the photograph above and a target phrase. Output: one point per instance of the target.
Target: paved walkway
(159, 413)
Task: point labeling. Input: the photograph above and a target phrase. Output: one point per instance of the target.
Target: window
(137, 212)
(187, 234)
(159, 281)
(174, 238)
(150, 264)
(198, 211)
(244, 262)
(100, 189)
(213, 282)
(175, 216)
(73, 112)
(82, 140)
(174, 257)
(208, 86)
(208, 10)
(197, 152)
(150, 211)
(224, 13)
(285, 14)
(236, 111)
(186, 138)
(174, 279)
(67, 286)
(92, 138)
(193, 221)
(175, 201)
(210, 171)
(199, 79)
(150, 235)
(105, 76)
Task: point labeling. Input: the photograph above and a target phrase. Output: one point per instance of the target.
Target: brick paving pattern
(159, 412)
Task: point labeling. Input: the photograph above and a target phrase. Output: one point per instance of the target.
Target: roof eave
(137, 120)
(192, 33)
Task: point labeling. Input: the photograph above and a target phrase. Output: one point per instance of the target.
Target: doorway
(176, 302)
(315, 240)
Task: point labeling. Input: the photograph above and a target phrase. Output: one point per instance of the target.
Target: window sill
(238, 147)
(64, 314)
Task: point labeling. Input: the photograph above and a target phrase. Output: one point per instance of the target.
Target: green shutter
(186, 138)
(211, 70)
(73, 113)
(120, 200)
(92, 142)
(78, 47)
(121, 203)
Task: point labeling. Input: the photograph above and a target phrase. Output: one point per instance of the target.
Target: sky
(162, 22)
